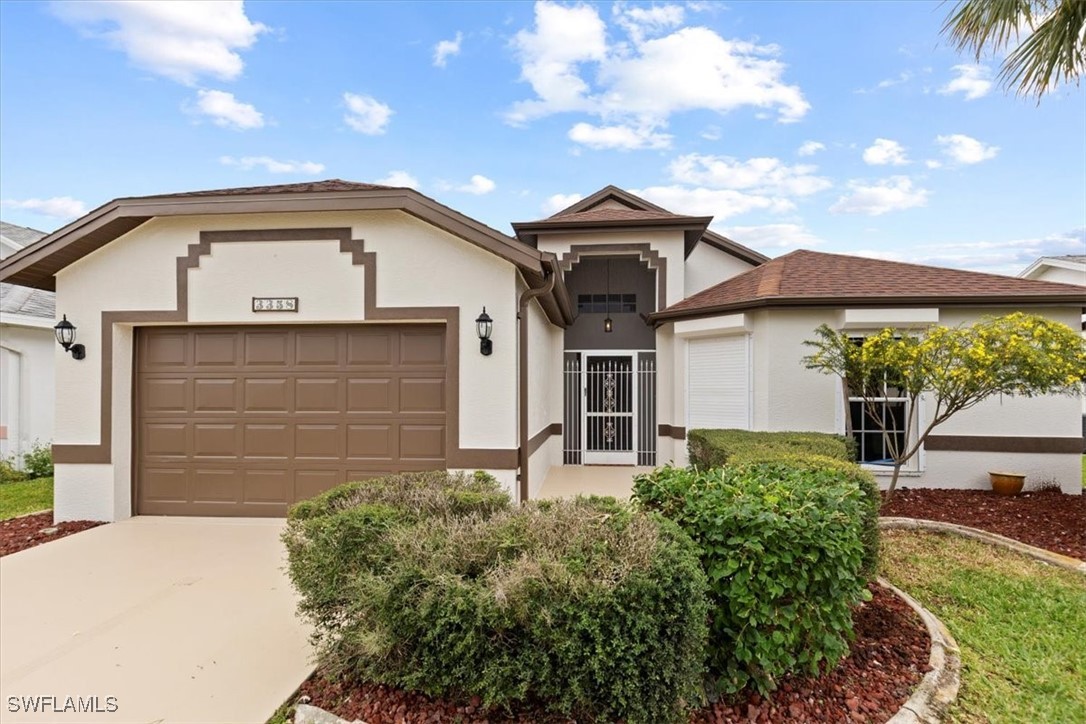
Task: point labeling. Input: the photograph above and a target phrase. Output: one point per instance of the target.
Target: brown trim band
(540, 438)
(455, 456)
(647, 255)
(984, 443)
(672, 431)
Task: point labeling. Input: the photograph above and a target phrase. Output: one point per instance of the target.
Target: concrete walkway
(177, 619)
(566, 481)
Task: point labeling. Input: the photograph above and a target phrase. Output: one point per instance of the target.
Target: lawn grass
(27, 496)
(1020, 625)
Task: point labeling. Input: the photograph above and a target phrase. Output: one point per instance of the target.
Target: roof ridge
(772, 274)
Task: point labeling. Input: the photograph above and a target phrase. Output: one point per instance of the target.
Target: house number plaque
(275, 304)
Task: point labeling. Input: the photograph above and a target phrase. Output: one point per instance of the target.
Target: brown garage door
(247, 420)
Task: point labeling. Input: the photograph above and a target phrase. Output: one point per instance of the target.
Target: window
(885, 408)
(606, 303)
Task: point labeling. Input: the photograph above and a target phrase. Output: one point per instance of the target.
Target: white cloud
(964, 149)
(227, 111)
(642, 81)
(773, 236)
(712, 133)
(761, 175)
(183, 39)
(399, 179)
(366, 114)
(884, 152)
(973, 81)
(903, 77)
(478, 185)
(271, 165)
(933, 163)
(719, 203)
(557, 202)
(60, 207)
(892, 194)
(445, 49)
(810, 148)
(624, 138)
(995, 257)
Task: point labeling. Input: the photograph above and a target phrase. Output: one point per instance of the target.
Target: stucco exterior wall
(27, 359)
(708, 265)
(787, 396)
(417, 265)
(545, 403)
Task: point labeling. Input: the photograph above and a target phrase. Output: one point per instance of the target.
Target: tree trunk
(893, 482)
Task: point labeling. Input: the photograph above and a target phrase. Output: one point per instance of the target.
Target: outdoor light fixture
(484, 325)
(65, 332)
(608, 325)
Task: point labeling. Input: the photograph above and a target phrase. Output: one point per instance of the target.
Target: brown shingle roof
(333, 184)
(811, 277)
(614, 214)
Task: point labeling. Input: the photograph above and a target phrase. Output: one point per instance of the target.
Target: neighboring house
(246, 348)
(1068, 269)
(27, 349)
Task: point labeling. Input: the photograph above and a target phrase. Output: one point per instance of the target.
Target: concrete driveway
(177, 619)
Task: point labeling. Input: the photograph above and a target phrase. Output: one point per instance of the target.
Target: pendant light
(608, 324)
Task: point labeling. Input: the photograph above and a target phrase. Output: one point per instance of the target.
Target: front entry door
(610, 406)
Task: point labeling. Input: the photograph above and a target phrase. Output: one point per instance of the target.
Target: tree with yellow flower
(954, 368)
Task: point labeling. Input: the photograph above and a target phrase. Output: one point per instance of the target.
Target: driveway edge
(1040, 554)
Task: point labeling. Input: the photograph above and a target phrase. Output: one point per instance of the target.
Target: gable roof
(20, 235)
(37, 264)
(811, 278)
(1073, 262)
(632, 211)
(27, 302)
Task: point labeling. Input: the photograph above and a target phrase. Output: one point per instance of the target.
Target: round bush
(587, 608)
(782, 546)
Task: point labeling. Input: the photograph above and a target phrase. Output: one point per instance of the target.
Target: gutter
(550, 276)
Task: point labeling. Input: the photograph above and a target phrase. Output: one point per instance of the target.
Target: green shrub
(9, 473)
(38, 462)
(782, 547)
(588, 607)
(713, 448)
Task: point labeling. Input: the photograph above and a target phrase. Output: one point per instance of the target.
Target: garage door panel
(422, 442)
(215, 349)
(246, 421)
(267, 486)
(316, 394)
(164, 485)
(422, 395)
(371, 395)
(316, 349)
(422, 347)
(216, 440)
(268, 395)
(164, 395)
(371, 348)
(215, 486)
(269, 441)
(318, 442)
(164, 351)
(267, 349)
(371, 442)
(165, 439)
(308, 483)
(215, 395)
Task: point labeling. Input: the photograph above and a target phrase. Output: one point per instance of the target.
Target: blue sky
(848, 127)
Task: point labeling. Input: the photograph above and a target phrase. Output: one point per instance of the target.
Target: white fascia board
(897, 317)
(712, 326)
(1035, 269)
(26, 320)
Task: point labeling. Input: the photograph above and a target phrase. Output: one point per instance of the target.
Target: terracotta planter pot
(1007, 483)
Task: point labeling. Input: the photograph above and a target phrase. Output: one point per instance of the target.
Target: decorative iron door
(610, 410)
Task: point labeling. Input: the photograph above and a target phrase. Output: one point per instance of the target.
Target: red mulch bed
(1047, 519)
(18, 534)
(886, 662)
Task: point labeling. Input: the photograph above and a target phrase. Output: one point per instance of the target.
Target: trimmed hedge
(714, 448)
(588, 608)
(782, 545)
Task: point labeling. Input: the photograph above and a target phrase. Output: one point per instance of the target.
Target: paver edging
(1040, 554)
(939, 687)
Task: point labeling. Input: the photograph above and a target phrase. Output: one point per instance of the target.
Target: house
(245, 348)
(27, 349)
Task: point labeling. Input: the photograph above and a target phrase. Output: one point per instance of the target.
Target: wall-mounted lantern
(484, 325)
(65, 332)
